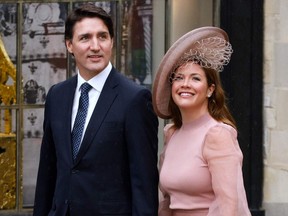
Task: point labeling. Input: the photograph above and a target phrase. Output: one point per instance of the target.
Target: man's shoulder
(64, 85)
(128, 83)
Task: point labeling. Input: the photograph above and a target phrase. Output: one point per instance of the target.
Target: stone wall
(275, 200)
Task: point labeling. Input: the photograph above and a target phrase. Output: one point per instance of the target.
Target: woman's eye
(178, 78)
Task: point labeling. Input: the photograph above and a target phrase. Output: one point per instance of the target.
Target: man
(113, 171)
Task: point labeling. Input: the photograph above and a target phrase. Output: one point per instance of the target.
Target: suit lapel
(106, 99)
(71, 87)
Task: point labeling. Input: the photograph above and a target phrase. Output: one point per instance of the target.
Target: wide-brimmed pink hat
(210, 45)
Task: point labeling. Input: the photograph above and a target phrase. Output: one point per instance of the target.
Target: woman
(201, 163)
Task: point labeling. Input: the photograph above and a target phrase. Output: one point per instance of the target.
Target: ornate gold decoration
(7, 138)
(7, 92)
(7, 171)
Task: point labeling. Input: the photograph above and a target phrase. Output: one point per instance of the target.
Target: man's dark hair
(87, 11)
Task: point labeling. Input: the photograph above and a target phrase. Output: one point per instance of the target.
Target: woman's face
(190, 90)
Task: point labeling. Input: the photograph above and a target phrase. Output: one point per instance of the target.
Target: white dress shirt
(97, 83)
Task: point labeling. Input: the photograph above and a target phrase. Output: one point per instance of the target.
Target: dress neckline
(199, 122)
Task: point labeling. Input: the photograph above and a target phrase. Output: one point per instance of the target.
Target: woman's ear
(210, 90)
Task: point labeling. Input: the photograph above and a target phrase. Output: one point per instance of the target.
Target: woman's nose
(186, 82)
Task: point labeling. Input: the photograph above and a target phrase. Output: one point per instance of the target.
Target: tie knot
(85, 87)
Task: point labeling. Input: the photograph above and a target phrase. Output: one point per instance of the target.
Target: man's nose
(94, 44)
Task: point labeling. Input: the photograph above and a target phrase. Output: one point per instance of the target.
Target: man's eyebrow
(84, 34)
(103, 32)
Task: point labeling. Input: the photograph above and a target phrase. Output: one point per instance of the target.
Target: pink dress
(201, 171)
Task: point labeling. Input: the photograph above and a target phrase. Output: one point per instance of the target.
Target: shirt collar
(98, 81)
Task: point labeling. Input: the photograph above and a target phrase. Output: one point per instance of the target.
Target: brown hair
(87, 11)
(216, 103)
(217, 106)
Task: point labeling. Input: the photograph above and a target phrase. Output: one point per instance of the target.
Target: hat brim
(162, 88)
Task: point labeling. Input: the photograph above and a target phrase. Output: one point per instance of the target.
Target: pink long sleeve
(224, 157)
(164, 200)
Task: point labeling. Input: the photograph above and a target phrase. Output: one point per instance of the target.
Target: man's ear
(112, 44)
(69, 46)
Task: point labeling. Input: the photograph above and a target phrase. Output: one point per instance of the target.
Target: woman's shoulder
(221, 136)
(221, 128)
(168, 130)
(168, 127)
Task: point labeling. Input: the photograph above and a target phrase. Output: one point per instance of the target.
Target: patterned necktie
(80, 118)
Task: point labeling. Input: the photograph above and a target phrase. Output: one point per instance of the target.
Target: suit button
(66, 201)
(74, 171)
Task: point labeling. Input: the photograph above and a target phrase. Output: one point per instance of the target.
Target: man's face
(91, 46)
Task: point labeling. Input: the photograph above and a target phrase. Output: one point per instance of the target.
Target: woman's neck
(192, 115)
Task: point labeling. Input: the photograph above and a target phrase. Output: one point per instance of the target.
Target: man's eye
(84, 38)
(103, 37)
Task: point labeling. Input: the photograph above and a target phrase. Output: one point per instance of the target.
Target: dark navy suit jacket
(115, 172)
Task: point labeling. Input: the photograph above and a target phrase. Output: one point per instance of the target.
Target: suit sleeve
(47, 169)
(142, 143)
(224, 158)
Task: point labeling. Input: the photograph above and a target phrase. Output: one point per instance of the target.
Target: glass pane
(136, 43)
(32, 132)
(44, 51)
(7, 159)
